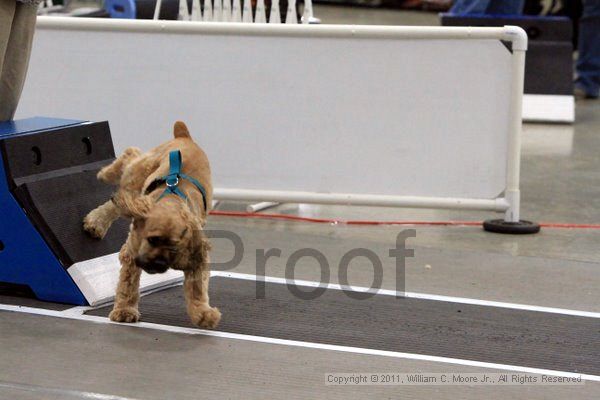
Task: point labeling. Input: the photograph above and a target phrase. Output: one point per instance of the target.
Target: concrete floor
(48, 358)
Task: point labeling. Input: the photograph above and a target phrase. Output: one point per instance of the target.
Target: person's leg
(7, 13)
(462, 7)
(588, 62)
(505, 7)
(16, 56)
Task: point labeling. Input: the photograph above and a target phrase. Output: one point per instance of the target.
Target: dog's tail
(180, 130)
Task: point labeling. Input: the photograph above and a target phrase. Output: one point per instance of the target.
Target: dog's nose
(159, 261)
(139, 261)
(155, 266)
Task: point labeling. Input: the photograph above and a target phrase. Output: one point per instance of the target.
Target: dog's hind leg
(195, 287)
(128, 289)
(112, 173)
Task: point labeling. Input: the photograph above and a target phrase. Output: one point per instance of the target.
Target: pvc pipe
(498, 205)
(261, 206)
(330, 31)
(517, 36)
(513, 159)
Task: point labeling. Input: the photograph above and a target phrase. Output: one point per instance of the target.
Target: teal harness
(172, 179)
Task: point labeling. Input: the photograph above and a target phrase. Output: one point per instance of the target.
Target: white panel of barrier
(397, 116)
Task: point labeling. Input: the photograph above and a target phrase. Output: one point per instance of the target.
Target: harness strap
(172, 179)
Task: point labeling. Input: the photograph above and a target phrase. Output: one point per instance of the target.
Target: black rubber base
(513, 228)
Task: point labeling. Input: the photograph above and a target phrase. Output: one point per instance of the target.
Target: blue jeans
(512, 7)
(588, 63)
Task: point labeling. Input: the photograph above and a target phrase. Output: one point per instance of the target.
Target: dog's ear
(180, 130)
(132, 205)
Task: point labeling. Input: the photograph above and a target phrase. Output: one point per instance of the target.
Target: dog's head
(165, 234)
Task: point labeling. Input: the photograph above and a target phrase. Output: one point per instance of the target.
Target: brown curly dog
(166, 230)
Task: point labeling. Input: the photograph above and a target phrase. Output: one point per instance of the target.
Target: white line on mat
(422, 296)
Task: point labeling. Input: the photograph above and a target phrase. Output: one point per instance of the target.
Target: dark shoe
(437, 5)
(581, 94)
(411, 4)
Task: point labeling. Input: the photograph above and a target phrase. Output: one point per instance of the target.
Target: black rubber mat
(488, 334)
(57, 206)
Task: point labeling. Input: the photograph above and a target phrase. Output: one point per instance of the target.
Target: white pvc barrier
(391, 116)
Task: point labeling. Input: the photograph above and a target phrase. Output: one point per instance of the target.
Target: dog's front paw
(128, 315)
(207, 318)
(94, 225)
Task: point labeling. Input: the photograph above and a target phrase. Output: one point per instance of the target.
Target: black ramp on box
(488, 334)
(57, 206)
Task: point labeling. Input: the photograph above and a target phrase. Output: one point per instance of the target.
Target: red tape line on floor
(285, 217)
